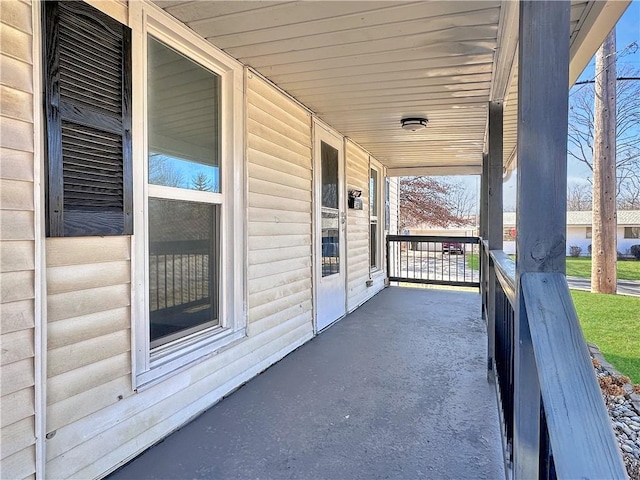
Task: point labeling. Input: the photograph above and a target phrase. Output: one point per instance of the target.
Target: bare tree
(579, 197)
(163, 172)
(426, 201)
(463, 200)
(202, 182)
(581, 126)
(629, 196)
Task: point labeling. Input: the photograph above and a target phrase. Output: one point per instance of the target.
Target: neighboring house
(579, 231)
(173, 223)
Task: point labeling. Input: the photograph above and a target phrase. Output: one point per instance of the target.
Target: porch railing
(554, 421)
(179, 274)
(435, 260)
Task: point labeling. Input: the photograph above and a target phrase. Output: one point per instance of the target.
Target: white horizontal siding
(98, 421)
(88, 299)
(280, 176)
(357, 177)
(17, 243)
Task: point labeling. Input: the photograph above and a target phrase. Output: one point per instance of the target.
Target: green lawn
(612, 322)
(473, 261)
(581, 267)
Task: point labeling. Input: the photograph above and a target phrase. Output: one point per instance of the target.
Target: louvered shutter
(88, 110)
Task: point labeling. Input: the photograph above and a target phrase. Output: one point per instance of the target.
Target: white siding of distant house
(577, 224)
(577, 237)
(624, 244)
(17, 243)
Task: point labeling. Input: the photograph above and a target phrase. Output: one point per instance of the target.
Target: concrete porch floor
(396, 389)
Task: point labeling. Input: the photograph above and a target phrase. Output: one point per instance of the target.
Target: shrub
(635, 251)
(589, 249)
(575, 251)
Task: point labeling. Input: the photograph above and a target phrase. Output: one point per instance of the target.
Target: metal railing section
(179, 274)
(554, 419)
(435, 260)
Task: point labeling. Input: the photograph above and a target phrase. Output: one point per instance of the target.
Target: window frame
(630, 235)
(379, 217)
(588, 232)
(151, 365)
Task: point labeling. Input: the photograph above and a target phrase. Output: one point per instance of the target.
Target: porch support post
(543, 80)
(484, 210)
(483, 255)
(494, 219)
(484, 195)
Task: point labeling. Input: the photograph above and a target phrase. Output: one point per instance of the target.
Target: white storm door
(330, 226)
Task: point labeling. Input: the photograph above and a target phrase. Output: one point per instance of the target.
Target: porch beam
(543, 58)
(434, 170)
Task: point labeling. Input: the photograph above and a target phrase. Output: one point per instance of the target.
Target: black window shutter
(88, 121)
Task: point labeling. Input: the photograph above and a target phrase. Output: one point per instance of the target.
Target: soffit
(361, 66)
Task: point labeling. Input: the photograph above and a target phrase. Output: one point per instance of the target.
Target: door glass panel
(330, 241)
(330, 211)
(184, 102)
(183, 268)
(329, 170)
(373, 245)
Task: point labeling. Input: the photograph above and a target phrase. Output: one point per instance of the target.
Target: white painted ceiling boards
(361, 66)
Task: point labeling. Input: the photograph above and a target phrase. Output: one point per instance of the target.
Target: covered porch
(397, 389)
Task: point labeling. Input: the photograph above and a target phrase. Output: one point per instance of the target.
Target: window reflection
(329, 157)
(184, 121)
(330, 242)
(182, 268)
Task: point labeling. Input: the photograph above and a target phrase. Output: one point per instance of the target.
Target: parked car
(452, 247)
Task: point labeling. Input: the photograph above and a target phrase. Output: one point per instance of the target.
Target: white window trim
(377, 166)
(146, 18)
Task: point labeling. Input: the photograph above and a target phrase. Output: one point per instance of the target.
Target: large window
(183, 100)
(631, 232)
(191, 239)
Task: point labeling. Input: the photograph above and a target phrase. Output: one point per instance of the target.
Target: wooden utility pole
(605, 222)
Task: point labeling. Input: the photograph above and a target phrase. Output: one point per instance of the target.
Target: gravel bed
(623, 404)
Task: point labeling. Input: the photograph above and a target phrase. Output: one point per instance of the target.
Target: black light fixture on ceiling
(414, 123)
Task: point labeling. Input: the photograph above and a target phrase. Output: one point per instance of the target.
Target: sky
(627, 32)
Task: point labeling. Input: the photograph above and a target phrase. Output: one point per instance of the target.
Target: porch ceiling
(361, 66)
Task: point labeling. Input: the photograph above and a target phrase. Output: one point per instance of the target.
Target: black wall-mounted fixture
(354, 200)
